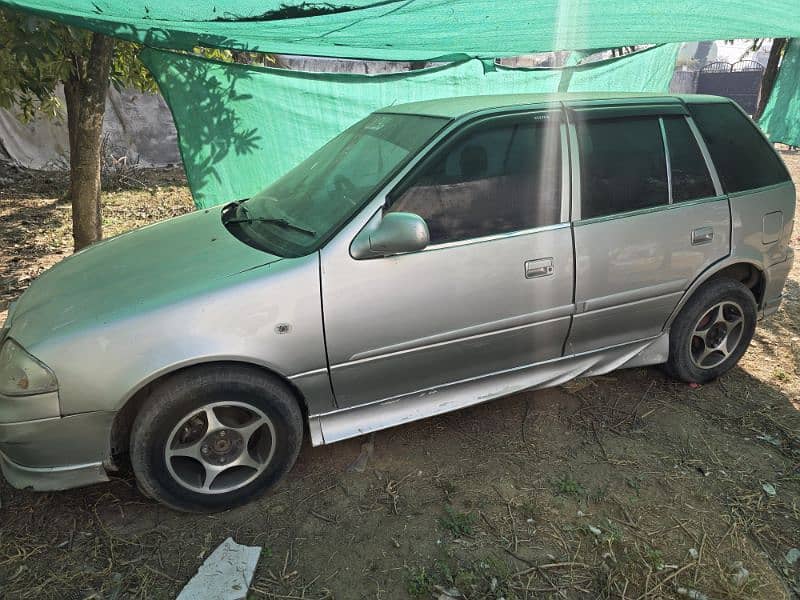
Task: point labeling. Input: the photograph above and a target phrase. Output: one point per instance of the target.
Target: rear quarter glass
(743, 157)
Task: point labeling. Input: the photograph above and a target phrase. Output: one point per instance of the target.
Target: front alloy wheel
(214, 437)
(221, 448)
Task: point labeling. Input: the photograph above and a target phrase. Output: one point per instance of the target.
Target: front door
(651, 220)
(492, 292)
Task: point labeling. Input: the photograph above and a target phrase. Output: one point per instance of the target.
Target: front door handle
(541, 267)
(702, 235)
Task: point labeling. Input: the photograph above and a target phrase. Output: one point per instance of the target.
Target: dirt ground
(627, 486)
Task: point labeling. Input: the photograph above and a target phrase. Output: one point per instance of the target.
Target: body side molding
(359, 420)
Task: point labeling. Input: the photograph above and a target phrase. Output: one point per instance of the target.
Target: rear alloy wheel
(712, 331)
(212, 438)
(716, 335)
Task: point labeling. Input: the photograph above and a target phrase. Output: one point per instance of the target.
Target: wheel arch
(125, 415)
(749, 272)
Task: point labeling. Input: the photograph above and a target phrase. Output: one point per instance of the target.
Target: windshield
(300, 211)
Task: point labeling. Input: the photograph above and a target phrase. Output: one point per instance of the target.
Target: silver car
(433, 256)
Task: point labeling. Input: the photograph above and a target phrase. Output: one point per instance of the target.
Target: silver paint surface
(57, 442)
(447, 313)
(627, 291)
(408, 336)
(112, 318)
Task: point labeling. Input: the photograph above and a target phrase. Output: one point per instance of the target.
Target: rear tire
(712, 331)
(216, 437)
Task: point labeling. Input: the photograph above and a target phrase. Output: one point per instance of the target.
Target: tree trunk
(72, 94)
(86, 104)
(770, 74)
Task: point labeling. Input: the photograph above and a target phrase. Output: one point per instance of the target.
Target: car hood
(130, 274)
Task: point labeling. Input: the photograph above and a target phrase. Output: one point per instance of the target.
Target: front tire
(216, 437)
(712, 331)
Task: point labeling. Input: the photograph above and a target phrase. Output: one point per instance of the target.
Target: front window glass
(498, 177)
(300, 211)
(623, 166)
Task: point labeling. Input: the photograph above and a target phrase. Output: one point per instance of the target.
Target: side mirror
(395, 234)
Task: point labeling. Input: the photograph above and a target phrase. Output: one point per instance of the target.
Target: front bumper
(44, 452)
(57, 453)
(51, 479)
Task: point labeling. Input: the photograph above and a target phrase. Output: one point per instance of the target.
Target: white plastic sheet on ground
(225, 575)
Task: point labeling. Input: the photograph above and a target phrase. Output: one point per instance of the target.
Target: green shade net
(781, 118)
(421, 29)
(241, 127)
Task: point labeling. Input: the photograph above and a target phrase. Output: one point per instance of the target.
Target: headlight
(21, 374)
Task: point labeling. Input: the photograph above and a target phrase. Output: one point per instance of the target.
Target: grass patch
(567, 486)
(655, 558)
(458, 524)
(419, 583)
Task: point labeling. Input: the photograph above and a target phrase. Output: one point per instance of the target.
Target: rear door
(649, 218)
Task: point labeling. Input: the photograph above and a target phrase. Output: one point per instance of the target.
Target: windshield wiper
(280, 222)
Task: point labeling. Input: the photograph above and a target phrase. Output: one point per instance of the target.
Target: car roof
(464, 105)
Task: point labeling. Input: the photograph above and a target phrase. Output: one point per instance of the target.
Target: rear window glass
(743, 158)
(623, 166)
(690, 177)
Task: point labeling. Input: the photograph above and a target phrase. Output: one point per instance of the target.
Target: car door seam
(324, 329)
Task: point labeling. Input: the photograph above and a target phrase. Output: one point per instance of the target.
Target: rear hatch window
(743, 157)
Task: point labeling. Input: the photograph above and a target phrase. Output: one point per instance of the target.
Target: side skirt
(359, 420)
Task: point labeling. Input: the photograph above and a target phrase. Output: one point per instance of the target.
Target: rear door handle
(702, 235)
(541, 267)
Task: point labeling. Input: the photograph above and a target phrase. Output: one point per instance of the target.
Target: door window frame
(712, 169)
(432, 154)
(658, 111)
